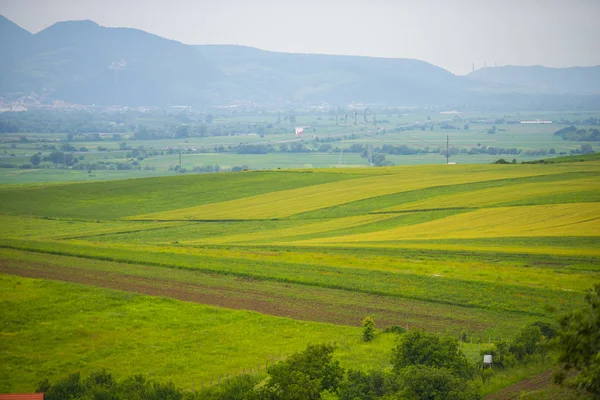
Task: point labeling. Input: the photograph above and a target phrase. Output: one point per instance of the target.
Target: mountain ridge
(83, 62)
(86, 63)
(567, 80)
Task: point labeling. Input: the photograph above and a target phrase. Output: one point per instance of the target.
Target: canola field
(482, 249)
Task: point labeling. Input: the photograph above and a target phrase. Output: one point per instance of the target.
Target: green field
(415, 129)
(253, 265)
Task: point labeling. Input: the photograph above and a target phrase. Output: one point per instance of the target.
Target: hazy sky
(449, 33)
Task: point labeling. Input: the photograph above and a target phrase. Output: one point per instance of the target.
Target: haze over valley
(299, 200)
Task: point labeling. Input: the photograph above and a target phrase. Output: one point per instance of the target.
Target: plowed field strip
(513, 392)
(290, 301)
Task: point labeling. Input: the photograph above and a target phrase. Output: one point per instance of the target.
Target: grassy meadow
(202, 275)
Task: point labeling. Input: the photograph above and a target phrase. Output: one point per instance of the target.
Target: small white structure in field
(536, 121)
(487, 360)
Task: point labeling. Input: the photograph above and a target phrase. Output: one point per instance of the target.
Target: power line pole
(447, 147)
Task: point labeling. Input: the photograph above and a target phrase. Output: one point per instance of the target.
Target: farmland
(252, 265)
(261, 140)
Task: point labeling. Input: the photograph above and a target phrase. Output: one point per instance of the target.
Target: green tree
(36, 159)
(182, 131)
(303, 376)
(368, 329)
(428, 349)
(587, 149)
(366, 385)
(527, 342)
(101, 385)
(578, 342)
(238, 388)
(430, 383)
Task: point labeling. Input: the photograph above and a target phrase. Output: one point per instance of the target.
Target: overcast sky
(449, 33)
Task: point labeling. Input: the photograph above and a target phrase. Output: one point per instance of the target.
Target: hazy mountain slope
(14, 43)
(576, 80)
(333, 78)
(82, 62)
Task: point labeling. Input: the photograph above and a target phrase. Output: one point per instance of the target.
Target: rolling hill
(83, 62)
(14, 42)
(539, 79)
(337, 79)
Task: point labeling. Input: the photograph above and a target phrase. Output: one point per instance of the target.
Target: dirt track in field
(247, 296)
(536, 382)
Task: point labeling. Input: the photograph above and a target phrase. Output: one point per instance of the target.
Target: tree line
(579, 134)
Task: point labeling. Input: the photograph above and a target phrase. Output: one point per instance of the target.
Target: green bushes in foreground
(102, 385)
(308, 375)
(424, 366)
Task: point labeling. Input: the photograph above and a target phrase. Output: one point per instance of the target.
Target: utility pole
(447, 147)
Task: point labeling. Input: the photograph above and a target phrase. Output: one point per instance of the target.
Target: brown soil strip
(536, 382)
(246, 296)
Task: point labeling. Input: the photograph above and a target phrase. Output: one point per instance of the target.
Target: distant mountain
(273, 76)
(14, 43)
(575, 80)
(82, 62)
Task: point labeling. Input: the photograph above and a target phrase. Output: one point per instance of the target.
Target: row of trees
(575, 134)
(53, 121)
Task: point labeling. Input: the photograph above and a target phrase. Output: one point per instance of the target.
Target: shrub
(395, 329)
(427, 349)
(425, 382)
(367, 385)
(527, 342)
(368, 329)
(304, 375)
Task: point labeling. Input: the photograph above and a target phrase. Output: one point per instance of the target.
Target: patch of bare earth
(294, 301)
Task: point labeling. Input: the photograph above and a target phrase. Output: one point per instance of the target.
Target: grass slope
(77, 328)
(485, 248)
(116, 199)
